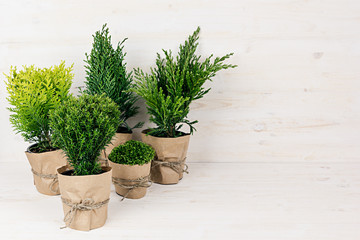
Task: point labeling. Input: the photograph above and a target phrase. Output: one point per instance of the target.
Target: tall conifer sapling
(106, 73)
(174, 84)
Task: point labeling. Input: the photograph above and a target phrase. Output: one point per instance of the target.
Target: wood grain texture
(293, 98)
(276, 201)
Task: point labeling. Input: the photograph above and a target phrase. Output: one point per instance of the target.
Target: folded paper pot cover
(122, 176)
(118, 139)
(44, 166)
(167, 168)
(78, 190)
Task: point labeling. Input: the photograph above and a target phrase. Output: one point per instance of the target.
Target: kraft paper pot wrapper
(44, 166)
(123, 174)
(168, 150)
(81, 189)
(118, 139)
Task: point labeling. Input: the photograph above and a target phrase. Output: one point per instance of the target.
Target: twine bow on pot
(176, 166)
(86, 205)
(54, 177)
(139, 182)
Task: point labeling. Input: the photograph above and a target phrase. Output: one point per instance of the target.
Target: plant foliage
(106, 73)
(132, 153)
(33, 92)
(82, 127)
(174, 83)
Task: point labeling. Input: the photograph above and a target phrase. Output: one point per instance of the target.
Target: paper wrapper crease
(167, 150)
(44, 166)
(118, 139)
(127, 172)
(78, 189)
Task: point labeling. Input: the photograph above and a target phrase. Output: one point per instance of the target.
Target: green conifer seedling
(33, 92)
(106, 73)
(174, 83)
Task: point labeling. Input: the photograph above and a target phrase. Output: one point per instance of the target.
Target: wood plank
(216, 200)
(294, 96)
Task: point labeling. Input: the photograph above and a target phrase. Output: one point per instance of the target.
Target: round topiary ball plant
(131, 164)
(132, 153)
(82, 127)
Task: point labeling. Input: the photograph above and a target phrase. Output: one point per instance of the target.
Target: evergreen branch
(106, 73)
(174, 83)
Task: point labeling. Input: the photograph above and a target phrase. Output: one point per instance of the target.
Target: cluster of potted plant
(83, 143)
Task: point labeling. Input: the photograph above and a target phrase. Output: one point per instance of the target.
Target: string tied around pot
(54, 177)
(86, 205)
(132, 184)
(176, 166)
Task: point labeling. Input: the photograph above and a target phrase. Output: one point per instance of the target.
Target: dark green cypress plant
(174, 83)
(82, 127)
(106, 73)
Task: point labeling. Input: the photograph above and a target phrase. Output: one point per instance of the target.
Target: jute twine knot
(132, 184)
(54, 177)
(86, 205)
(176, 166)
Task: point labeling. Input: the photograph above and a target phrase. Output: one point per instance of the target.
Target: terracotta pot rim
(129, 165)
(146, 130)
(32, 145)
(67, 167)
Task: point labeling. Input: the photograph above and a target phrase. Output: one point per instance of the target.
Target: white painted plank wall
(293, 98)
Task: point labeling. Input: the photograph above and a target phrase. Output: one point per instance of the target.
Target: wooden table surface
(215, 201)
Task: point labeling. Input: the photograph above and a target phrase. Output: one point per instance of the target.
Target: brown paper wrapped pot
(128, 172)
(79, 189)
(44, 166)
(168, 150)
(118, 139)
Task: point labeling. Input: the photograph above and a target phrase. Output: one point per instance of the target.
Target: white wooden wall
(295, 96)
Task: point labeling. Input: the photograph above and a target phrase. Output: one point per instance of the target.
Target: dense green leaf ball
(82, 127)
(132, 153)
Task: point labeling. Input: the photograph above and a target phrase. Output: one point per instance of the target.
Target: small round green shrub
(82, 127)
(132, 153)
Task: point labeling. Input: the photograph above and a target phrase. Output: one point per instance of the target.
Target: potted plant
(82, 127)
(169, 90)
(130, 164)
(106, 73)
(33, 92)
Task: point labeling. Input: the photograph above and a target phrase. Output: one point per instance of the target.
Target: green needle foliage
(33, 92)
(82, 127)
(174, 83)
(106, 73)
(132, 153)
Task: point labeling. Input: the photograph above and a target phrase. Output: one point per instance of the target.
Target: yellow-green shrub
(33, 92)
